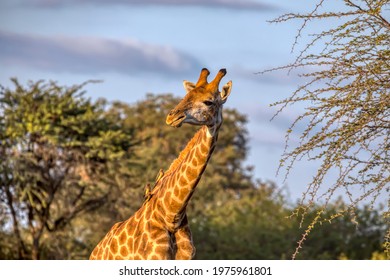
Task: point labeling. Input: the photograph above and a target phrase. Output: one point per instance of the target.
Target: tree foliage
(256, 226)
(56, 147)
(346, 69)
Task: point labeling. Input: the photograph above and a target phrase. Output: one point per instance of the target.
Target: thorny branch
(348, 119)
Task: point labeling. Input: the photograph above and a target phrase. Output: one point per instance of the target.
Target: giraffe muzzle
(174, 119)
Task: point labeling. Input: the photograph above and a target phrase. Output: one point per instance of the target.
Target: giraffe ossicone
(159, 229)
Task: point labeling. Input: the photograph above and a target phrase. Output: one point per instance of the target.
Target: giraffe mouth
(176, 122)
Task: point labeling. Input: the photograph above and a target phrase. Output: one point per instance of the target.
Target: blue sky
(138, 47)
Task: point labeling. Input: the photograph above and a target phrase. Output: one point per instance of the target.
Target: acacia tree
(347, 86)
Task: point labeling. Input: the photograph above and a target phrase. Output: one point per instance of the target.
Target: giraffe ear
(226, 89)
(188, 86)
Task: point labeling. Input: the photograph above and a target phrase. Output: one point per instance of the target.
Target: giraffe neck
(185, 172)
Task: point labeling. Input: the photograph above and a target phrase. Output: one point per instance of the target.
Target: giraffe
(159, 229)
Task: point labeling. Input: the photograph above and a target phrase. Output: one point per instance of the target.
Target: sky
(138, 47)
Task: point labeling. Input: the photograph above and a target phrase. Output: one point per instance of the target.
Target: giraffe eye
(208, 103)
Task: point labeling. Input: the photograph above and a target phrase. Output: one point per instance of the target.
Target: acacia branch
(347, 121)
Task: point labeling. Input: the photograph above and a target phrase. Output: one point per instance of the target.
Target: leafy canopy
(58, 157)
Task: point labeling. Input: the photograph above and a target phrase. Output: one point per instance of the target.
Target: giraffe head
(202, 105)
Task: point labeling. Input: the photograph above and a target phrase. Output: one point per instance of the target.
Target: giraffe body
(159, 229)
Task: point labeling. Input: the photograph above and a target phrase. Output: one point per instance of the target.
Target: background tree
(251, 225)
(255, 226)
(59, 159)
(347, 81)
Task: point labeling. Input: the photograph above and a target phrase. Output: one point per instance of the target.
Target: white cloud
(92, 55)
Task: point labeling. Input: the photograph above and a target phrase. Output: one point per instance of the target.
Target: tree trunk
(35, 249)
(22, 252)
